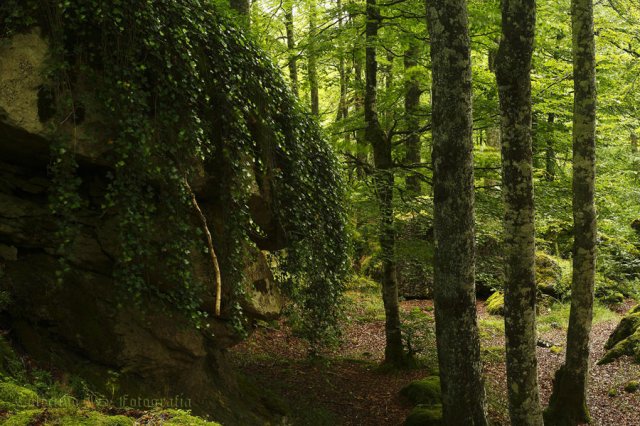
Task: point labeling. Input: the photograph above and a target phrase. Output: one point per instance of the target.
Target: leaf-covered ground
(347, 387)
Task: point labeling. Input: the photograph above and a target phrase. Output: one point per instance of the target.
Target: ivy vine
(183, 89)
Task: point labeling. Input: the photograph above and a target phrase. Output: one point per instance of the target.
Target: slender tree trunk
(550, 154)
(343, 109)
(291, 46)
(358, 101)
(513, 74)
(411, 106)
(393, 353)
(568, 403)
(243, 7)
(463, 395)
(312, 63)
(634, 142)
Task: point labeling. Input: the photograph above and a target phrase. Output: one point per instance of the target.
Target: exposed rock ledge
(76, 326)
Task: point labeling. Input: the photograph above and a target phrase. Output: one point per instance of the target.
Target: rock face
(84, 325)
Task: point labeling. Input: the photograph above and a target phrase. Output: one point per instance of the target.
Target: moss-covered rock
(75, 416)
(424, 391)
(425, 416)
(548, 274)
(632, 386)
(13, 396)
(625, 339)
(495, 303)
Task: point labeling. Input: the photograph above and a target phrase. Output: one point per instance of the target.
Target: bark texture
(463, 396)
(568, 404)
(513, 74)
(393, 353)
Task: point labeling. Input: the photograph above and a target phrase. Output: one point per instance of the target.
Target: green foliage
(183, 89)
(418, 334)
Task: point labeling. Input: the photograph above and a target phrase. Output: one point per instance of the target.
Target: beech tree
(383, 176)
(568, 404)
(463, 397)
(513, 74)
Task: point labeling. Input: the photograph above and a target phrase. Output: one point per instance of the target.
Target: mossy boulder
(13, 396)
(495, 303)
(549, 274)
(422, 415)
(632, 386)
(625, 339)
(424, 391)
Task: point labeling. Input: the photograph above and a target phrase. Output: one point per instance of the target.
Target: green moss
(625, 339)
(425, 416)
(556, 349)
(549, 274)
(179, 417)
(493, 354)
(628, 346)
(495, 304)
(628, 325)
(23, 418)
(613, 392)
(632, 386)
(424, 391)
(13, 396)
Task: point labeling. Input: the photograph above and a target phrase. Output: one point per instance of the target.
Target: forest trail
(346, 387)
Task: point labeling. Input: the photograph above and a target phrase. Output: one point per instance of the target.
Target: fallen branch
(214, 258)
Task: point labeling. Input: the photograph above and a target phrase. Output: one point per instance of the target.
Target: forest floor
(346, 386)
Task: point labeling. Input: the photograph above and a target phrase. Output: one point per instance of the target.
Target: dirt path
(347, 387)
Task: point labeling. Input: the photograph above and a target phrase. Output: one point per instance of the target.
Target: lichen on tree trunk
(463, 396)
(513, 74)
(568, 403)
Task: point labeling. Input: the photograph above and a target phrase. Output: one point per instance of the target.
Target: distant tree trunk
(568, 403)
(550, 154)
(411, 105)
(634, 142)
(291, 47)
(343, 109)
(243, 7)
(463, 396)
(312, 63)
(513, 74)
(393, 353)
(361, 148)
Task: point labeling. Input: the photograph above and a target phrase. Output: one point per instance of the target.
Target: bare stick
(214, 258)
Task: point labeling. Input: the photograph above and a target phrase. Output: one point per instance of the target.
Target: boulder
(85, 324)
(625, 339)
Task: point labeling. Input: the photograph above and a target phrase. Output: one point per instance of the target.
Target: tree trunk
(343, 109)
(550, 154)
(634, 142)
(393, 353)
(513, 74)
(463, 395)
(243, 7)
(358, 101)
(291, 47)
(411, 105)
(568, 403)
(312, 64)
